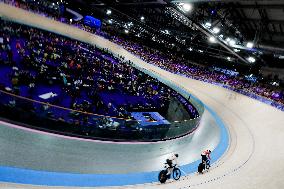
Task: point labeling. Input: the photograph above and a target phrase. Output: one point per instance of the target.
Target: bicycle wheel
(162, 176)
(176, 173)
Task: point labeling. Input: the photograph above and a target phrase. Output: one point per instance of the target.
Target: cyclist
(205, 155)
(172, 159)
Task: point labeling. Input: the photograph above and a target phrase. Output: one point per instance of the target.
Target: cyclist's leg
(170, 168)
(204, 161)
(204, 158)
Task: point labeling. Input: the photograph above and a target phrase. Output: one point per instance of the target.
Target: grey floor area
(25, 149)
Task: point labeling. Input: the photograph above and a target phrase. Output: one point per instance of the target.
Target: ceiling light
(216, 30)
(251, 59)
(228, 39)
(126, 31)
(250, 45)
(108, 12)
(110, 21)
(166, 32)
(212, 39)
(229, 58)
(130, 24)
(142, 18)
(232, 42)
(187, 7)
(207, 24)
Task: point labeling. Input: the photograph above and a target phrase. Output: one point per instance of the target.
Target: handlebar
(174, 165)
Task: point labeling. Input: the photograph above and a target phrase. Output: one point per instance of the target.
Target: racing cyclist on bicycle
(172, 159)
(205, 155)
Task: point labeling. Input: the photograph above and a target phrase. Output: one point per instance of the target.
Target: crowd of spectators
(257, 89)
(238, 82)
(76, 76)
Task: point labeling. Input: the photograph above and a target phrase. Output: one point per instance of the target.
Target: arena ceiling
(260, 22)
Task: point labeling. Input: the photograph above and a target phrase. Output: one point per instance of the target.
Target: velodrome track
(255, 155)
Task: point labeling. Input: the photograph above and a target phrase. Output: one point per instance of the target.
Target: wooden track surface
(255, 155)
